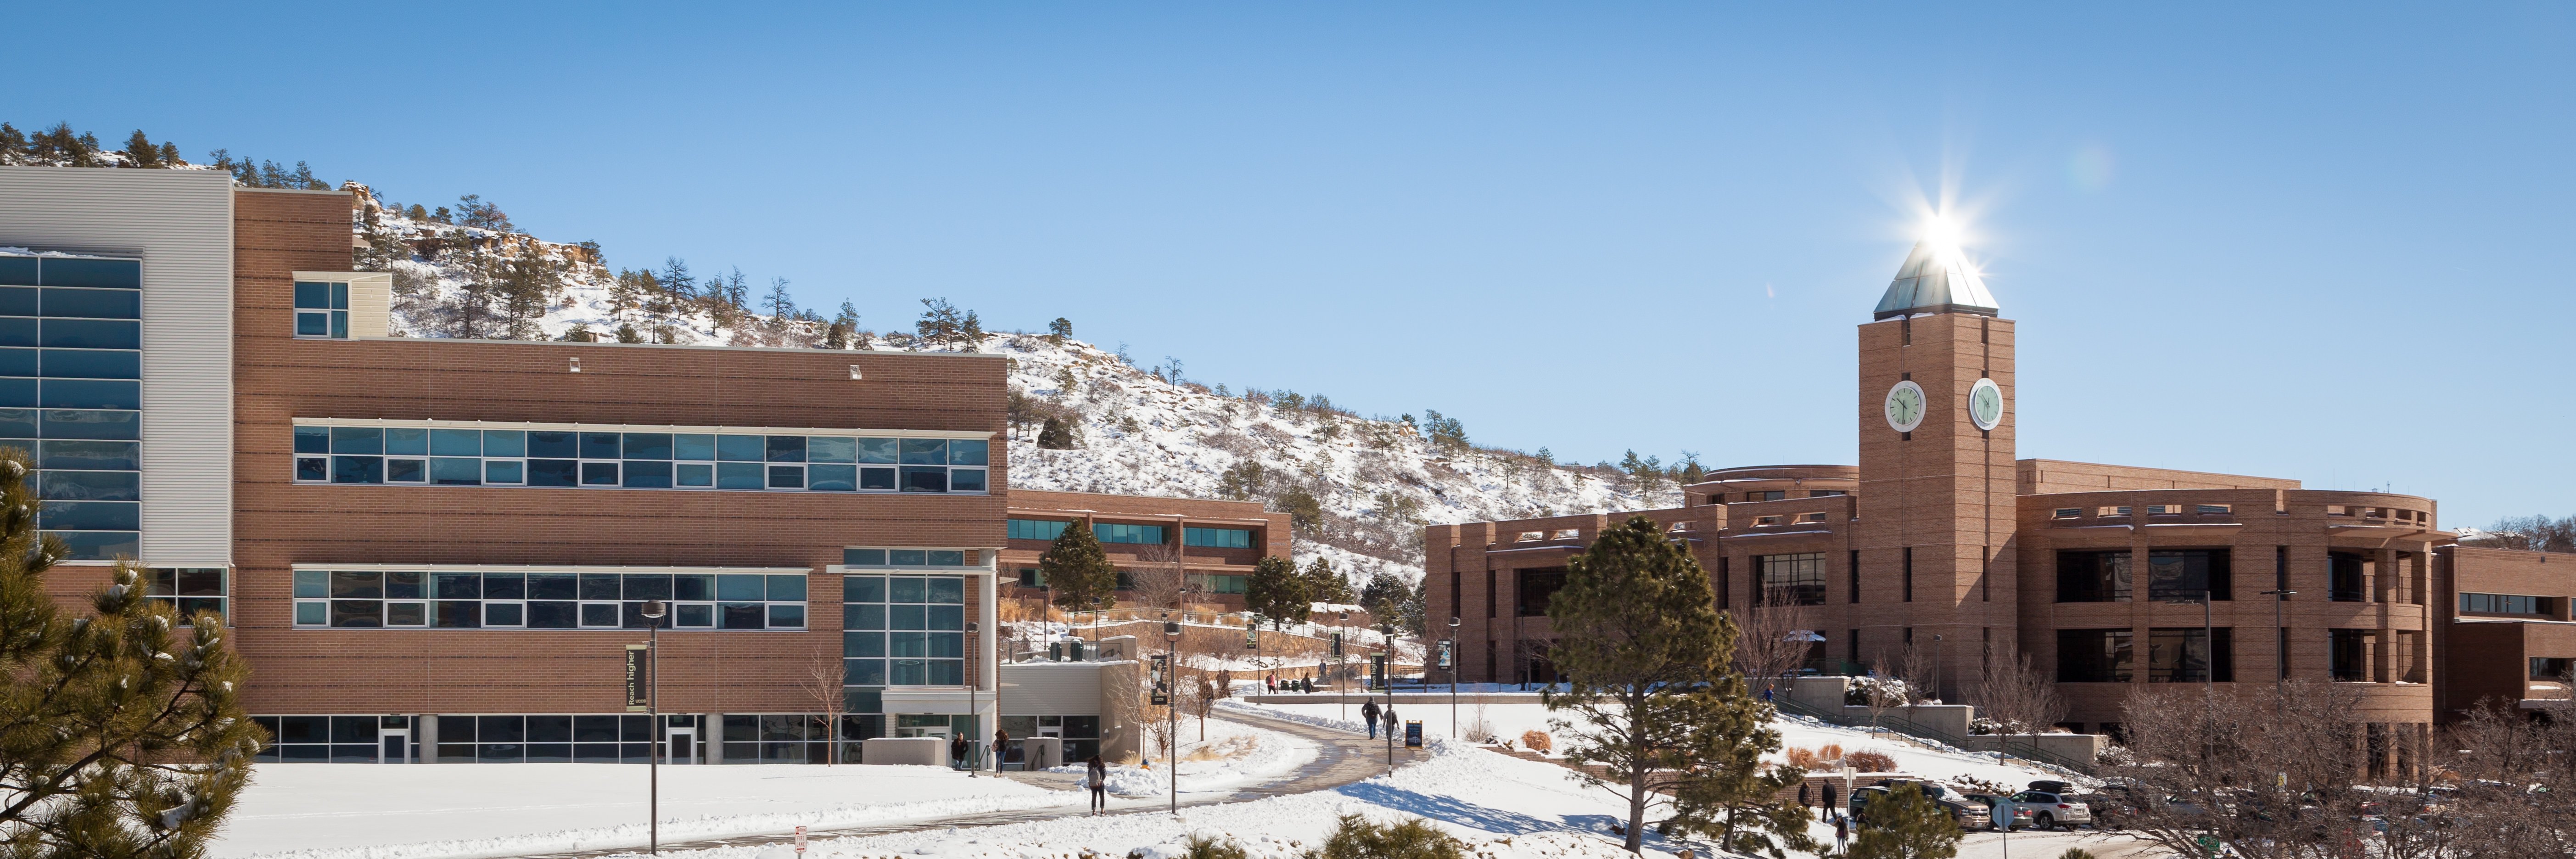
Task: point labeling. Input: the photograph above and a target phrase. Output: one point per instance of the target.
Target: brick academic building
(1943, 539)
(439, 550)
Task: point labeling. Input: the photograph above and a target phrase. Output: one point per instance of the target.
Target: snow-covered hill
(1360, 487)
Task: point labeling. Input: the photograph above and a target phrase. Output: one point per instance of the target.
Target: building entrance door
(395, 745)
(681, 745)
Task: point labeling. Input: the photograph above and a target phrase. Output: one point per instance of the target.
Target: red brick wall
(278, 524)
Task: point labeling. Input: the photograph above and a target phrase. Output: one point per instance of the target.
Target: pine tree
(1059, 330)
(1905, 824)
(1055, 435)
(98, 708)
(1644, 650)
(13, 144)
(1325, 584)
(1732, 795)
(1077, 571)
(139, 151)
(1275, 592)
(626, 333)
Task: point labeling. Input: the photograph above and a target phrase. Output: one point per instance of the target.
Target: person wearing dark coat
(1368, 713)
(957, 752)
(1096, 776)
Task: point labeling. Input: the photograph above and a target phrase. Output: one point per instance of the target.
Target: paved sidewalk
(1341, 758)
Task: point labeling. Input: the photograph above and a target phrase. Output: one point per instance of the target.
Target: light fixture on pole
(1452, 656)
(653, 610)
(2280, 652)
(972, 717)
(1172, 731)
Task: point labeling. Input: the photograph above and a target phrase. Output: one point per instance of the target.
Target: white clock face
(1986, 404)
(1905, 406)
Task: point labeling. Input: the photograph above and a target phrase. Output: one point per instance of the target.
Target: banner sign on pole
(637, 679)
(1377, 671)
(1162, 696)
(1444, 654)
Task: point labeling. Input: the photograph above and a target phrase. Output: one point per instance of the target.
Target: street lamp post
(1342, 667)
(2280, 652)
(653, 610)
(1172, 729)
(971, 714)
(1453, 677)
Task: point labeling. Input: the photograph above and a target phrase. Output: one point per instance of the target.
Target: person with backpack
(957, 751)
(1368, 713)
(1096, 776)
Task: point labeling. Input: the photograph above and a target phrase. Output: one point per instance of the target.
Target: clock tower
(1936, 501)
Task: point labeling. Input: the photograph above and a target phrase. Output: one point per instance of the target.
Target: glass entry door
(395, 744)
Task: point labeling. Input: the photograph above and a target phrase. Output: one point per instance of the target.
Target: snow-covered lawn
(1509, 809)
(1234, 755)
(347, 811)
(1511, 720)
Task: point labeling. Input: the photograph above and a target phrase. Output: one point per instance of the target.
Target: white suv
(2049, 810)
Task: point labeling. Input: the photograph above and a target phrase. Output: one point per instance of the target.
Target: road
(1341, 758)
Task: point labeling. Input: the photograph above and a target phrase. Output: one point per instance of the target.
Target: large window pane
(409, 441)
(90, 334)
(741, 586)
(510, 443)
(357, 440)
(967, 451)
(693, 446)
(648, 474)
(946, 589)
(694, 587)
(924, 451)
(90, 394)
(919, 479)
(601, 445)
(648, 445)
(741, 475)
(357, 469)
(832, 478)
(786, 448)
(455, 471)
(554, 472)
(91, 515)
(744, 615)
(837, 449)
(90, 485)
(455, 442)
(554, 444)
(75, 423)
(94, 303)
(877, 450)
(741, 448)
(966, 480)
(92, 364)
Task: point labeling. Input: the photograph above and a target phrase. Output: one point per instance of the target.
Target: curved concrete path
(1341, 758)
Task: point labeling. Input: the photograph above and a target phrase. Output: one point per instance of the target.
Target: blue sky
(2325, 242)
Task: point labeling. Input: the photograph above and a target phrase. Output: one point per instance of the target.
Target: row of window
(637, 460)
(1794, 579)
(18, 425)
(908, 558)
(73, 393)
(1108, 532)
(322, 309)
(471, 600)
(903, 630)
(2172, 574)
(2152, 510)
(2178, 655)
(2505, 604)
(1211, 583)
(188, 590)
(58, 333)
(70, 271)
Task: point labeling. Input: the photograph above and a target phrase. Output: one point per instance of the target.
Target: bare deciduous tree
(2205, 764)
(822, 682)
(2018, 697)
(1776, 638)
(1921, 673)
(1157, 576)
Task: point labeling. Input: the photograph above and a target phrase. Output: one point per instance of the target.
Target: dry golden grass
(1870, 762)
(1537, 741)
(1802, 758)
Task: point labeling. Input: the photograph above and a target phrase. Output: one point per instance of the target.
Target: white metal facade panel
(180, 222)
(1051, 689)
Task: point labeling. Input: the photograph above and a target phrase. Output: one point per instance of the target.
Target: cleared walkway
(1341, 758)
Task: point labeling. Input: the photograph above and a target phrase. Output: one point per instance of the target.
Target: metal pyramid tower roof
(1936, 278)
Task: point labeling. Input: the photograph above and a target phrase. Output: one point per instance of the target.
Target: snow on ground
(351, 811)
(1509, 721)
(1233, 755)
(1507, 808)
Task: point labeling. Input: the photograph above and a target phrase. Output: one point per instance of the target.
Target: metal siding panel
(181, 223)
(1067, 689)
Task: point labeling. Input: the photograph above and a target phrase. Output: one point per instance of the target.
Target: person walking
(1842, 835)
(1804, 798)
(957, 752)
(1368, 713)
(1832, 810)
(1001, 747)
(1390, 719)
(1096, 776)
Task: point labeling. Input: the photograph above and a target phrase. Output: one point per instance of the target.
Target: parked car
(2050, 810)
(2021, 816)
(1970, 814)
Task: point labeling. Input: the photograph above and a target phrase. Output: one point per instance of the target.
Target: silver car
(2048, 810)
